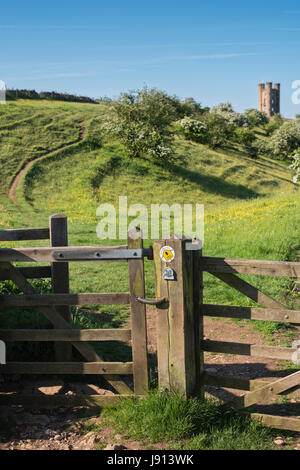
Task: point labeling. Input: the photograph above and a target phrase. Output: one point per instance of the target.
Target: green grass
(251, 206)
(252, 210)
(194, 424)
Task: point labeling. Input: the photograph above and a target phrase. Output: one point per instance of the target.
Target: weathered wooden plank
(245, 349)
(51, 401)
(34, 272)
(38, 300)
(177, 364)
(198, 318)
(249, 313)
(249, 290)
(58, 227)
(12, 235)
(162, 318)
(138, 315)
(55, 318)
(45, 254)
(265, 392)
(243, 384)
(253, 267)
(67, 368)
(65, 335)
(278, 422)
(233, 382)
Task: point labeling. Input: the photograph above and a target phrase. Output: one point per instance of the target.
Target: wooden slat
(233, 382)
(162, 320)
(243, 384)
(50, 401)
(37, 300)
(250, 291)
(178, 358)
(66, 368)
(65, 335)
(58, 226)
(249, 313)
(242, 349)
(198, 318)
(138, 315)
(247, 266)
(24, 234)
(56, 319)
(35, 272)
(45, 254)
(265, 392)
(278, 422)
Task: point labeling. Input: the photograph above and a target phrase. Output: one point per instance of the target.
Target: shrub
(257, 147)
(236, 119)
(244, 136)
(141, 121)
(256, 117)
(285, 140)
(190, 107)
(193, 129)
(296, 165)
(275, 123)
(219, 130)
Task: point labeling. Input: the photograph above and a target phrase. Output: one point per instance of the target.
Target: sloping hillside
(244, 198)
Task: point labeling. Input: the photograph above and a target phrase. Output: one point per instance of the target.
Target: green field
(251, 206)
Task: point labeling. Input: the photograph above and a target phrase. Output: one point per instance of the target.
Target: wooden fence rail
(253, 267)
(28, 272)
(62, 254)
(24, 234)
(226, 269)
(105, 368)
(244, 349)
(38, 300)
(56, 308)
(250, 313)
(66, 335)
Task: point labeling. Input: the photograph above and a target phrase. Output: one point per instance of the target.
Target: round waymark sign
(167, 253)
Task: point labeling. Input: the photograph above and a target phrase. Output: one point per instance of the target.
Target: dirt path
(62, 428)
(13, 187)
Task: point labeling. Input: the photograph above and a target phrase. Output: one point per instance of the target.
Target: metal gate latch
(151, 302)
(168, 274)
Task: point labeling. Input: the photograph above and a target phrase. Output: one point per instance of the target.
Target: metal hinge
(68, 255)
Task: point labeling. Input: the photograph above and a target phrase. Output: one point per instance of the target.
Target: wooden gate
(181, 345)
(56, 308)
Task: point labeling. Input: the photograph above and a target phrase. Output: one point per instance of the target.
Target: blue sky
(213, 51)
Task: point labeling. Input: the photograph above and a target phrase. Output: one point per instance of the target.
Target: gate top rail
(250, 266)
(12, 235)
(76, 253)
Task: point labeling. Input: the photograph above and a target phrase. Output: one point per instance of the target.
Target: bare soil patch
(62, 428)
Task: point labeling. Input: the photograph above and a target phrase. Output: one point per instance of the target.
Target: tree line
(15, 94)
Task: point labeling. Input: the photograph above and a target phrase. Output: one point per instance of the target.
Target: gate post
(58, 226)
(138, 315)
(179, 324)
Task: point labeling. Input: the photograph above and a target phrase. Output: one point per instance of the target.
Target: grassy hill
(252, 210)
(251, 206)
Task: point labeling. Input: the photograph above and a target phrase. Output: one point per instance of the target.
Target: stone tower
(269, 98)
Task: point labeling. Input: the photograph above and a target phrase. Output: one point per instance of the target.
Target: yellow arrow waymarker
(167, 253)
